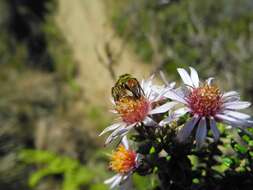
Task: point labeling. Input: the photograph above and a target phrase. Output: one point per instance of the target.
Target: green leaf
(240, 148)
(227, 161)
(99, 187)
(251, 143)
(36, 156)
(152, 150)
(37, 176)
(143, 183)
(74, 173)
(195, 180)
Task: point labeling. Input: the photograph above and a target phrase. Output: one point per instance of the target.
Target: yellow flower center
(205, 100)
(132, 110)
(123, 160)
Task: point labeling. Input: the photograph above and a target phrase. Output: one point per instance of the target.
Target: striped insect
(127, 86)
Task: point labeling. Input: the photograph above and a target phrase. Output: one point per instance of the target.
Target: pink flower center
(133, 110)
(205, 100)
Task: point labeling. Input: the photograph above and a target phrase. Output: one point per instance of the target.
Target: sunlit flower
(135, 103)
(207, 105)
(123, 162)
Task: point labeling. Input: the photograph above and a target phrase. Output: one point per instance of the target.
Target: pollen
(123, 160)
(132, 110)
(205, 100)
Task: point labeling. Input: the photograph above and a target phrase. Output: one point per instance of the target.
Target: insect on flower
(207, 105)
(135, 104)
(123, 161)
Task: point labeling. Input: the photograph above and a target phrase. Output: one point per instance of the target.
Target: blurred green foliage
(37, 78)
(145, 182)
(30, 38)
(57, 47)
(214, 36)
(74, 174)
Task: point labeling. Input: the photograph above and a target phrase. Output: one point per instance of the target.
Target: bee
(127, 86)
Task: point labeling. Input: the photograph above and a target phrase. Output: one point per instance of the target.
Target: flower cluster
(144, 105)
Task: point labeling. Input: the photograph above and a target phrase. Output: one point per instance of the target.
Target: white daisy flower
(123, 162)
(207, 106)
(135, 103)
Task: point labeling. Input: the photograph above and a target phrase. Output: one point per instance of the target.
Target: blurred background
(59, 59)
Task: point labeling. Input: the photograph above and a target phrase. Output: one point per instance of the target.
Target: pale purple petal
(185, 132)
(172, 84)
(237, 105)
(214, 129)
(124, 141)
(164, 78)
(181, 111)
(174, 116)
(230, 96)
(209, 80)
(182, 91)
(110, 180)
(149, 121)
(116, 133)
(116, 182)
(185, 77)
(111, 128)
(160, 95)
(163, 108)
(231, 120)
(171, 94)
(146, 86)
(201, 132)
(166, 82)
(194, 77)
(127, 183)
(236, 114)
(168, 119)
(230, 99)
(230, 93)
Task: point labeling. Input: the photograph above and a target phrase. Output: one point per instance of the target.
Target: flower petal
(181, 111)
(194, 77)
(110, 180)
(201, 132)
(174, 116)
(124, 141)
(185, 132)
(236, 105)
(230, 96)
(163, 108)
(230, 93)
(158, 95)
(171, 94)
(167, 120)
(231, 120)
(116, 133)
(164, 79)
(149, 121)
(146, 85)
(230, 99)
(111, 128)
(209, 80)
(116, 182)
(172, 84)
(214, 129)
(236, 114)
(185, 77)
